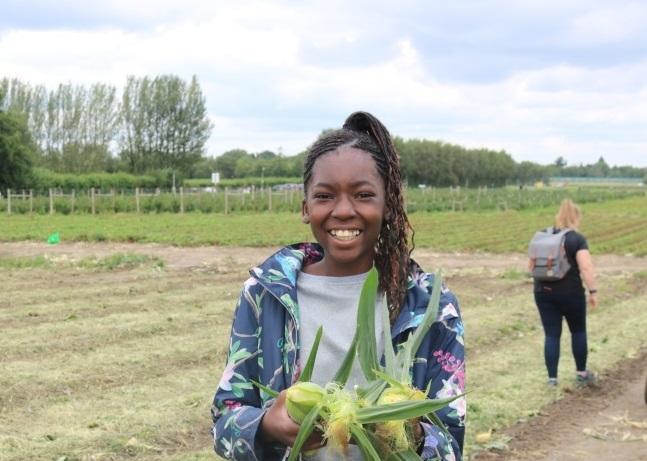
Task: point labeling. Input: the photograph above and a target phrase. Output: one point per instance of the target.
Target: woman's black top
(572, 282)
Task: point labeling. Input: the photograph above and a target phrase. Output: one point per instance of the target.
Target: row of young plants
(289, 199)
(612, 226)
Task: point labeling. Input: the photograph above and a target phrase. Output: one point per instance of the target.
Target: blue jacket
(264, 346)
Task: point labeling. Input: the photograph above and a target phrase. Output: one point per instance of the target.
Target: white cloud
(255, 63)
(612, 22)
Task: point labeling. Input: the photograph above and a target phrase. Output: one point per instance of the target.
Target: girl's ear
(305, 215)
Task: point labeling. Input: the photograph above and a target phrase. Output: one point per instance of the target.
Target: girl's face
(345, 206)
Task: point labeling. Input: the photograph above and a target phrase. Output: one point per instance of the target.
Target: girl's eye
(365, 194)
(322, 196)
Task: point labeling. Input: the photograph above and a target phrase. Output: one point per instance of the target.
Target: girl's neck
(322, 267)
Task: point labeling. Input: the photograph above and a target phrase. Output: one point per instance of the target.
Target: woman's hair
(569, 215)
(365, 132)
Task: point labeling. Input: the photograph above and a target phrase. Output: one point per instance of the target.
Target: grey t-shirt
(331, 302)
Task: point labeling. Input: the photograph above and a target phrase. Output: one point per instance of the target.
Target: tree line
(158, 126)
(433, 163)
(155, 123)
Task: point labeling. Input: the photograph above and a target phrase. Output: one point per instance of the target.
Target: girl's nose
(343, 208)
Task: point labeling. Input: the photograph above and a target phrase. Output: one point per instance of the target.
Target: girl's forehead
(348, 154)
(346, 167)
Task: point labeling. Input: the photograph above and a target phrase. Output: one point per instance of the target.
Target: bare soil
(607, 422)
(196, 257)
(604, 422)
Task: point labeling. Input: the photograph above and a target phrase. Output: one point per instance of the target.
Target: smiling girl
(354, 204)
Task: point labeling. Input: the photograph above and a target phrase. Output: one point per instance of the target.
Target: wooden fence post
(137, 199)
(73, 199)
(226, 200)
(114, 200)
(269, 200)
(51, 201)
(181, 200)
(8, 201)
(92, 199)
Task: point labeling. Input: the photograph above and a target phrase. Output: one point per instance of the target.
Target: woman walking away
(354, 205)
(565, 298)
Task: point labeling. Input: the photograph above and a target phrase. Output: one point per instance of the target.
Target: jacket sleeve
(444, 361)
(237, 408)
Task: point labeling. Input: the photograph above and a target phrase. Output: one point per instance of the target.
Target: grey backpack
(547, 254)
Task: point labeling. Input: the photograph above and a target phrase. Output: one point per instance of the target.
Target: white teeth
(345, 234)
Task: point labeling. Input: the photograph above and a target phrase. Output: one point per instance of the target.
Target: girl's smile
(345, 234)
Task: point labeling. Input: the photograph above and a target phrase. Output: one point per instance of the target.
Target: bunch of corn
(374, 416)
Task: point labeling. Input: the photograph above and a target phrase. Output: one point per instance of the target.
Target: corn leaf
(267, 390)
(404, 361)
(371, 393)
(401, 410)
(341, 377)
(430, 314)
(389, 380)
(408, 455)
(306, 373)
(306, 428)
(434, 419)
(367, 347)
(389, 354)
(369, 453)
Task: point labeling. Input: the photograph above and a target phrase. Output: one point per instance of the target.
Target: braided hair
(392, 251)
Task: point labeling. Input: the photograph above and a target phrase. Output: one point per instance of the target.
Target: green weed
(120, 261)
(25, 263)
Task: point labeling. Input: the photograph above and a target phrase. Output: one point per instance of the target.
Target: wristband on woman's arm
(593, 291)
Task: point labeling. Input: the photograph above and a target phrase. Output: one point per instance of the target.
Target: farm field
(112, 351)
(615, 226)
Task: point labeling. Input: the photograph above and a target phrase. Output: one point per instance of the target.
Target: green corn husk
(301, 398)
(395, 433)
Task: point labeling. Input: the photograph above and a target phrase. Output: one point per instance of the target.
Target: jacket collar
(278, 274)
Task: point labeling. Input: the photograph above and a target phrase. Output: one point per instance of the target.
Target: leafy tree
(164, 123)
(560, 162)
(226, 163)
(16, 152)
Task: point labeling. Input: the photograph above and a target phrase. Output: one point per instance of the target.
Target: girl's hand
(277, 426)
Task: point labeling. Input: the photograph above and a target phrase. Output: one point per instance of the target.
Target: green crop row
(252, 200)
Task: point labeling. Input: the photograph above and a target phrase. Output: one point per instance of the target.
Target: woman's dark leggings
(552, 308)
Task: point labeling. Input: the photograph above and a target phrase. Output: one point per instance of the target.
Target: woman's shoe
(587, 379)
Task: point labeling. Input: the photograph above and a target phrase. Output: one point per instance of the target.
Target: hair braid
(392, 250)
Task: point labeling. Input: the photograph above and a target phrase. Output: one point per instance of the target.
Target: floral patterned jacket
(264, 346)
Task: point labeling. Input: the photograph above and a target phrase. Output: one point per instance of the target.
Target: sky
(540, 79)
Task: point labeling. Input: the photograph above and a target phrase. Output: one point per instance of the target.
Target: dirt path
(192, 257)
(609, 422)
